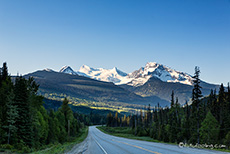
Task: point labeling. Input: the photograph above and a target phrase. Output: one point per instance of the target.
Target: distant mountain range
(152, 84)
(137, 78)
(80, 89)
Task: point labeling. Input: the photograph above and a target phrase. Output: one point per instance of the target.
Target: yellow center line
(137, 147)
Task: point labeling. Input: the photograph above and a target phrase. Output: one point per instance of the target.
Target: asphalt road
(98, 142)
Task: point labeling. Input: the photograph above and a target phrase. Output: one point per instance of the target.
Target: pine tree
(221, 103)
(228, 93)
(24, 121)
(12, 114)
(5, 72)
(62, 136)
(54, 130)
(215, 106)
(209, 130)
(172, 120)
(0, 77)
(196, 96)
(68, 114)
(186, 123)
(172, 99)
(6, 87)
(149, 116)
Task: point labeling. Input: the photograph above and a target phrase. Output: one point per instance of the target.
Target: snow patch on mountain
(109, 75)
(49, 70)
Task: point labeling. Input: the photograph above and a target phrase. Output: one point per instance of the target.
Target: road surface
(98, 142)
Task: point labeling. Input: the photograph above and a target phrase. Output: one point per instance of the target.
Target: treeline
(84, 114)
(91, 119)
(205, 120)
(25, 125)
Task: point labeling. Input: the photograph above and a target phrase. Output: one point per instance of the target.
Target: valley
(100, 89)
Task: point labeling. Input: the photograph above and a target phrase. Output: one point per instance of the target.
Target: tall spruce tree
(4, 72)
(221, 102)
(172, 120)
(68, 114)
(186, 123)
(196, 96)
(6, 87)
(0, 77)
(228, 93)
(24, 121)
(12, 115)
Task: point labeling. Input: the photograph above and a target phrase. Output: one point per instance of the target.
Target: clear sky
(123, 33)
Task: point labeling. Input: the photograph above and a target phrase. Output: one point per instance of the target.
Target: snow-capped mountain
(164, 73)
(109, 75)
(136, 78)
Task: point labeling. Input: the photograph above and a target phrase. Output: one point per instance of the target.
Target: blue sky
(127, 34)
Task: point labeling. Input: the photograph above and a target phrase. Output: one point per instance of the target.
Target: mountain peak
(85, 67)
(160, 71)
(151, 64)
(67, 69)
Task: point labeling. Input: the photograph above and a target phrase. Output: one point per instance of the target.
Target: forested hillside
(156, 87)
(25, 125)
(205, 121)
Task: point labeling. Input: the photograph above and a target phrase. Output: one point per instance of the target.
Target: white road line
(100, 146)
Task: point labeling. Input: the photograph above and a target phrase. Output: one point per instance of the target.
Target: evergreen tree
(209, 130)
(62, 136)
(24, 121)
(0, 77)
(12, 114)
(228, 93)
(54, 130)
(6, 87)
(227, 140)
(149, 116)
(215, 106)
(40, 128)
(68, 114)
(186, 123)
(221, 103)
(4, 73)
(224, 112)
(172, 120)
(172, 99)
(196, 96)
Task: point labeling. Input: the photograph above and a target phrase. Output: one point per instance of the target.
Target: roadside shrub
(26, 149)
(6, 146)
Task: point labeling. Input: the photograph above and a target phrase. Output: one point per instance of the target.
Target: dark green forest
(25, 124)
(204, 121)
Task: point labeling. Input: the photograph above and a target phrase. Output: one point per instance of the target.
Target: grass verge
(128, 133)
(67, 146)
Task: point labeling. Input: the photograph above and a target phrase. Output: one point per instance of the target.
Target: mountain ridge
(136, 78)
(153, 82)
(84, 88)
